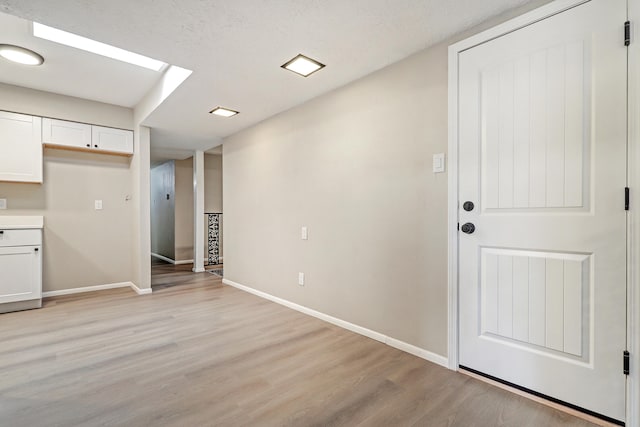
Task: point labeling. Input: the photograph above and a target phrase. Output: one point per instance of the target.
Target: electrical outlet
(301, 279)
(98, 205)
(304, 233)
(3, 203)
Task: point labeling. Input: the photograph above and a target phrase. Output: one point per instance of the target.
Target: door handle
(468, 206)
(468, 228)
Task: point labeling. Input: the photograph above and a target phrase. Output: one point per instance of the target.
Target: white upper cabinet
(20, 148)
(112, 140)
(84, 137)
(69, 134)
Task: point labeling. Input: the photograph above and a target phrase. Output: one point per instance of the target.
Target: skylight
(83, 43)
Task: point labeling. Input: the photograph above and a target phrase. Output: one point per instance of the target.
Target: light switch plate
(438, 163)
(3, 203)
(304, 233)
(98, 205)
(301, 279)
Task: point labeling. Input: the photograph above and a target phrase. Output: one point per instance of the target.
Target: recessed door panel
(535, 135)
(537, 300)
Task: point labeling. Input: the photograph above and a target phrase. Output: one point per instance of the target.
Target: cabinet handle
(35, 249)
(1, 231)
(96, 145)
(89, 145)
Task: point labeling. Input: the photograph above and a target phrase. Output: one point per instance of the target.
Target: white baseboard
(417, 351)
(392, 342)
(178, 262)
(190, 261)
(87, 289)
(96, 288)
(164, 258)
(139, 291)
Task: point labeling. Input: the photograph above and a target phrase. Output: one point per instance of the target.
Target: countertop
(8, 222)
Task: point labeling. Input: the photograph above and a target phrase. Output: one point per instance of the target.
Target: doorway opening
(172, 211)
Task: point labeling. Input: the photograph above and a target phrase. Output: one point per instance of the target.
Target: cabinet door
(20, 148)
(66, 134)
(112, 140)
(20, 273)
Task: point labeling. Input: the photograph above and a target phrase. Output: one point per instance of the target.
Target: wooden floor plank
(197, 353)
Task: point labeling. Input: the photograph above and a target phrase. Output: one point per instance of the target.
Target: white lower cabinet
(20, 269)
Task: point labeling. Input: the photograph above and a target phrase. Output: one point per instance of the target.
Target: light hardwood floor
(198, 353)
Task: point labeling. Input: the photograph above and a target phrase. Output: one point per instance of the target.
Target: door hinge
(627, 33)
(625, 362)
(458, 226)
(626, 198)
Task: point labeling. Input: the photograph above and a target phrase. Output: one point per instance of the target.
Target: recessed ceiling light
(223, 112)
(20, 55)
(303, 65)
(83, 43)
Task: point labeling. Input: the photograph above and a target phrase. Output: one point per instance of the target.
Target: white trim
(633, 329)
(180, 262)
(96, 288)
(417, 351)
(198, 211)
(452, 206)
(139, 291)
(164, 258)
(543, 12)
(392, 342)
(87, 289)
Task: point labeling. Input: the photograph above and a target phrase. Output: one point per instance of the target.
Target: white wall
(355, 167)
(212, 183)
(163, 210)
(82, 246)
(184, 209)
(38, 103)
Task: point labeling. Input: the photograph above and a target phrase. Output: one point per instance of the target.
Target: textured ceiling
(235, 48)
(72, 72)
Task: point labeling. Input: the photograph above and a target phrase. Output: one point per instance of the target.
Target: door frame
(633, 218)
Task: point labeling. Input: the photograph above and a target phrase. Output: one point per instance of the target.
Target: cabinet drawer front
(20, 237)
(62, 132)
(21, 272)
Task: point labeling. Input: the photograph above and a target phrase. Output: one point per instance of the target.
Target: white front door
(542, 156)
